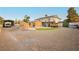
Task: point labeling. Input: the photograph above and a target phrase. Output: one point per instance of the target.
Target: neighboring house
(47, 21)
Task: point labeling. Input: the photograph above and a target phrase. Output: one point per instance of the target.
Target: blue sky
(34, 12)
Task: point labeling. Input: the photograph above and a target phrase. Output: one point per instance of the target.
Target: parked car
(77, 26)
(74, 26)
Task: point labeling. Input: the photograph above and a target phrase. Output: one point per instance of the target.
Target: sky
(13, 13)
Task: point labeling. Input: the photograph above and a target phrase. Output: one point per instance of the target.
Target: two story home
(47, 21)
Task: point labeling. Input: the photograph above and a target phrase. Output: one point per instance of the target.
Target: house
(47, 21)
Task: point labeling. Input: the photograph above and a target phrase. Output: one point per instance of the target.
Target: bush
(65, 23)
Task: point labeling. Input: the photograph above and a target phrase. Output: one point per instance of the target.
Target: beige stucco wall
(38, 24)
(24, 25)
(60, 24)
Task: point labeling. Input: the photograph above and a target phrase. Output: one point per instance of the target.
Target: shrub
(65, 23)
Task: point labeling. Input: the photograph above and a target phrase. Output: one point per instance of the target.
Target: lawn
(47, 28)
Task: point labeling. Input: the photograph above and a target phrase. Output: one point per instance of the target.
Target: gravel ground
(63, 39)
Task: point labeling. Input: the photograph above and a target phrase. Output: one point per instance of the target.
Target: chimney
(46, 15)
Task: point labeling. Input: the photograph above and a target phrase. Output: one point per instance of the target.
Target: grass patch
(46, 28)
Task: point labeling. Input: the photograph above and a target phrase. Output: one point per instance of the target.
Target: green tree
(26, 18)
(72, 15)
(66, 23)
(1, 20)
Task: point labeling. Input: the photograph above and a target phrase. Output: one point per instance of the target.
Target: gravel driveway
(63, 39)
